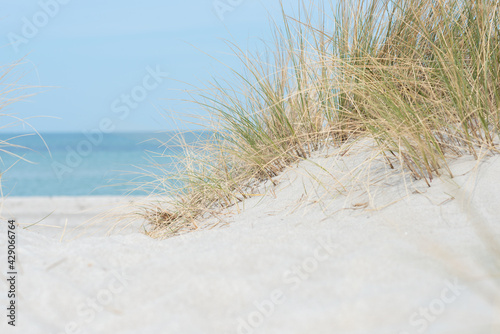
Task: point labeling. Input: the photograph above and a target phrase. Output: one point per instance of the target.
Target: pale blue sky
(97, 52)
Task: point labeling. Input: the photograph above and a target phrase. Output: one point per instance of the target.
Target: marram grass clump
(419, 77)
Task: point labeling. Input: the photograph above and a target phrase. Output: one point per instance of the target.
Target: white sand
(286, 264)
(68, 217)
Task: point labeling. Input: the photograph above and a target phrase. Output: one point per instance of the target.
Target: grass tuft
(419, 77)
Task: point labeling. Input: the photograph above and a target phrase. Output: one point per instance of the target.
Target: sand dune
(391, 256)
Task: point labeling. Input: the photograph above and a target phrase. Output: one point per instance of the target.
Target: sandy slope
(286, 264)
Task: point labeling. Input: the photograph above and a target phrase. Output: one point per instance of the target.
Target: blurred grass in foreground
(11, 91)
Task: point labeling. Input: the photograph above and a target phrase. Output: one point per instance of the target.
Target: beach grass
(418, 77)
(12, 91)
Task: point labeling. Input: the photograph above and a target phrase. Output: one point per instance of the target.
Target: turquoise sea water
(76, 164)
